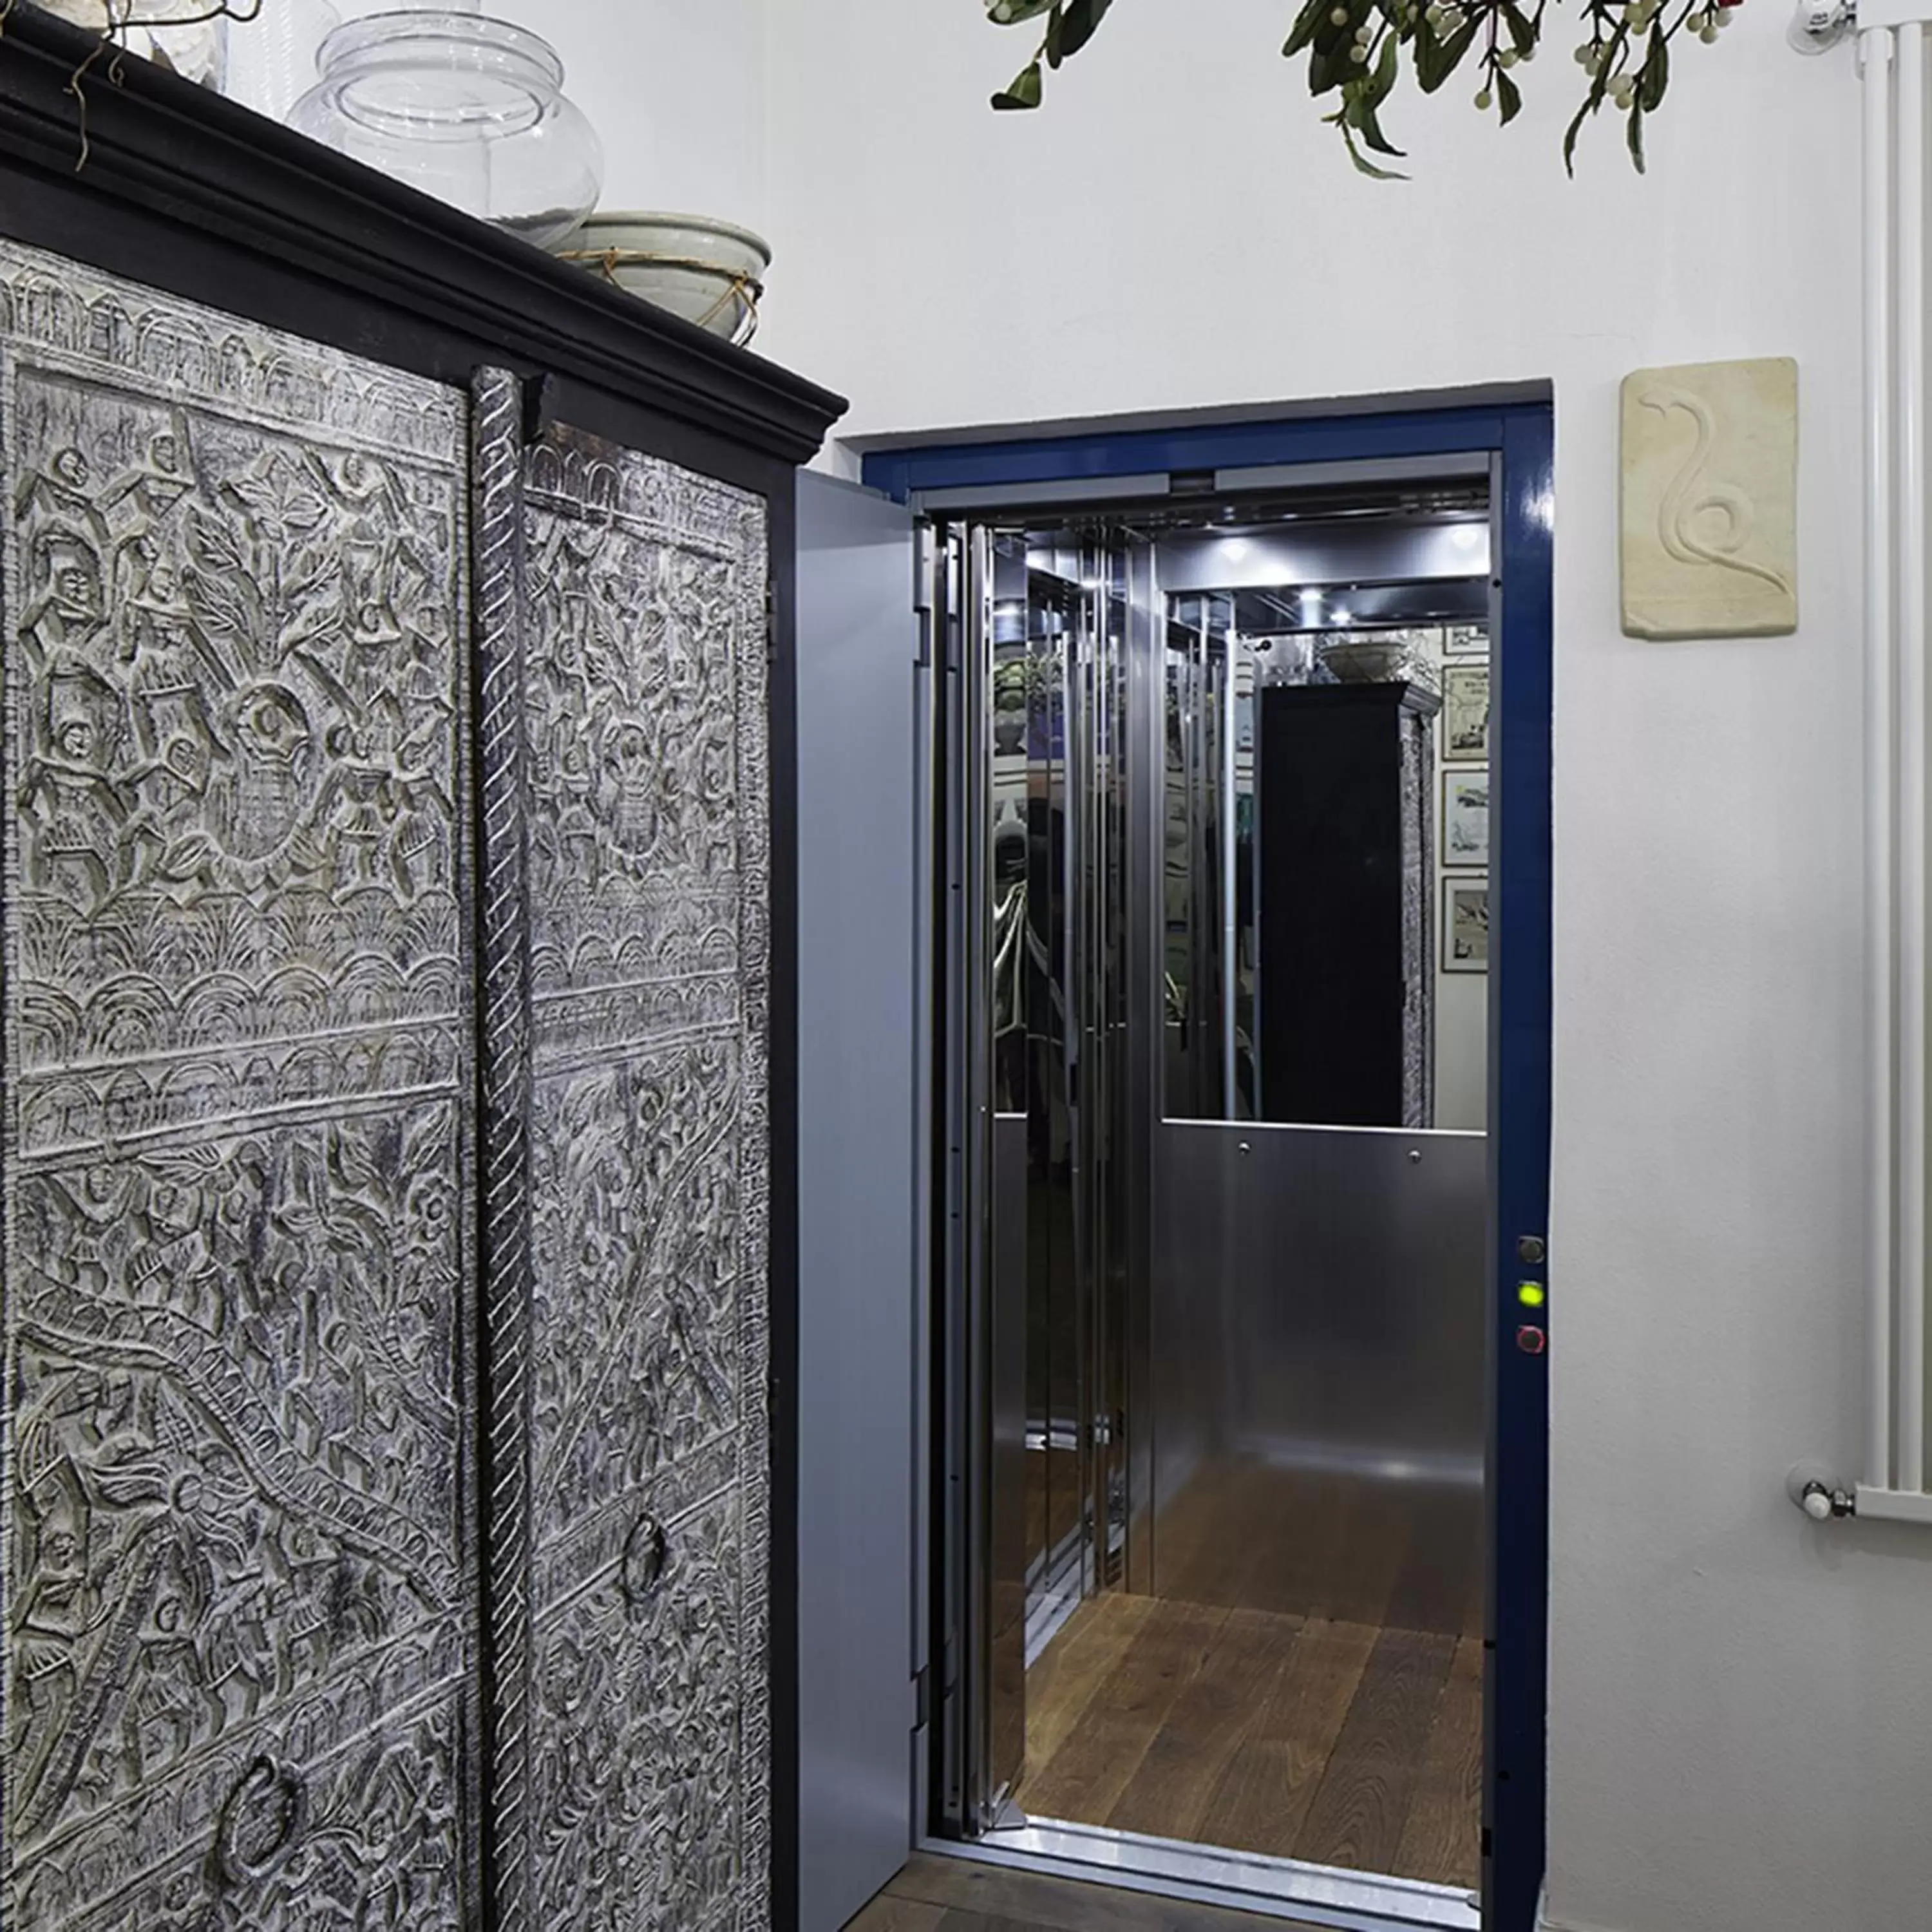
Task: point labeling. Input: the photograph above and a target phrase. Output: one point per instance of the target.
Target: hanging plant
(1358, 51)
(181, 34)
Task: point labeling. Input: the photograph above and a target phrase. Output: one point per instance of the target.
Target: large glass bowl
(469, 110)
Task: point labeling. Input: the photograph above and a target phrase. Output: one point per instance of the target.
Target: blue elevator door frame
(1519, 439)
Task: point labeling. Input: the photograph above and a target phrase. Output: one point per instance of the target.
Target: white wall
(1741, 1728)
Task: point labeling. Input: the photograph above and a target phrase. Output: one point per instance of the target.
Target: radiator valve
(1820, 1497)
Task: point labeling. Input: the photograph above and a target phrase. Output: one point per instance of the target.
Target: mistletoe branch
(1358, 50)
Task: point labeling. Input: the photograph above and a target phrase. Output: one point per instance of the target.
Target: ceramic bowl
(707, 271)
(1374, 660)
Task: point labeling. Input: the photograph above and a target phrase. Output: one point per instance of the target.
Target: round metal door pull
(262, 1820)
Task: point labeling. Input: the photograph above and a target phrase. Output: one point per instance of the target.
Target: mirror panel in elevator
(1222, 772)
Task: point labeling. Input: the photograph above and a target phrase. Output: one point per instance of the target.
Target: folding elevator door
(1036, 850)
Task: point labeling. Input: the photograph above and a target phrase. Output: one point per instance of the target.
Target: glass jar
(468, 109)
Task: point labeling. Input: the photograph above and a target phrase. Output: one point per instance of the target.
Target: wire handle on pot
(743, 288)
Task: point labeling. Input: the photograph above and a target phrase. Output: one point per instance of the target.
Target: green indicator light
(1531, 1293)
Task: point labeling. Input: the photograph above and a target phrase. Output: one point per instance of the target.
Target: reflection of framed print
(1466, 925)
(1465, 641)
(1466, 714)
(1466, 820)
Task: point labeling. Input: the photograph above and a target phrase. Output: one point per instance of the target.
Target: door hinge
(922, 1700)
(925, 590)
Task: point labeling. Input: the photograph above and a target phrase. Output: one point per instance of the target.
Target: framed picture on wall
(1466, 925)
(1465, 641)
(1466, 714)
(1466, 820)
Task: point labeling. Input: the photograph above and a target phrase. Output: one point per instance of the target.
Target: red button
(1532, 1341)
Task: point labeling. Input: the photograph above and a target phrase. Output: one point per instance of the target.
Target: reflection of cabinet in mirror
(1345, 864)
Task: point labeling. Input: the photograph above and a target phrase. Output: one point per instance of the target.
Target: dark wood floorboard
(1263, 1794)
(1324, 1544)
(1362, 1808)
(1335, 1743)
(1168, 1794)
(1083, 1779)
(888, 1912)
(1062, 1683)
(1443, 1840)
(967, 1897)
(1433, 1589)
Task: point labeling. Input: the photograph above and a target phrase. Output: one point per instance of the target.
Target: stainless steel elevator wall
(1318, 1317)
(1011, 1542)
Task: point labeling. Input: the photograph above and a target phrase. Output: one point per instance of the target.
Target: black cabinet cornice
(116, 162)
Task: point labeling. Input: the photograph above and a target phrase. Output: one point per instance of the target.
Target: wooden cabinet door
(633, 1777)
(240, 1559)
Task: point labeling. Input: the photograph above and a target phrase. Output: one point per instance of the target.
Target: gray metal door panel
(860, 820)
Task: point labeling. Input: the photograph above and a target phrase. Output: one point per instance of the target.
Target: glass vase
(272, 58)
(466, 108)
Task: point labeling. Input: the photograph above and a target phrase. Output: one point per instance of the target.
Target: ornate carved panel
(645, 1443)
(239, 1570)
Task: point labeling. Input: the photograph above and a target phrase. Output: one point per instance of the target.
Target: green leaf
(1447, 55)
(1363, 164)
(1050, 46)
(1381, 83)
(1370, 130)
(1637, 136)
(1306, 23)
(1656, 75)
(1024, 93)
(1012, 13)
(1523, 31)
(1082, 22)
(1509, 97)
(1583, 113)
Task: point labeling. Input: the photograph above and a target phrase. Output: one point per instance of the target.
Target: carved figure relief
(240, 1642)
(1710, 500)
(649, 1444)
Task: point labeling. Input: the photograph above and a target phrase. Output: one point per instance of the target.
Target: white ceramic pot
(707, 271)
(1373, 660)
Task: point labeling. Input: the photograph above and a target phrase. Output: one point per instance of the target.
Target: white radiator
(1892, 44)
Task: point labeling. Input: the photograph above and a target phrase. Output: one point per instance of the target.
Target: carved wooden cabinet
(397, 1066)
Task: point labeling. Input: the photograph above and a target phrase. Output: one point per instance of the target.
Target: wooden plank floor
(1335, 1743)
(940, 1895)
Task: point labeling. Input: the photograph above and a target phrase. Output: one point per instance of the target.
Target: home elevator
(1212, 788)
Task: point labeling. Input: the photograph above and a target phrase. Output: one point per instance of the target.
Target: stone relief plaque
(239, 1446)
(645, 1799)
(1710, 500)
